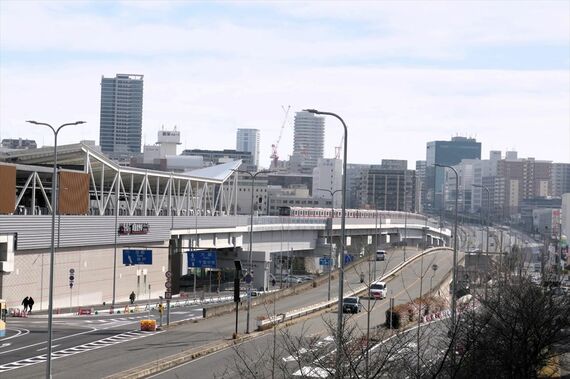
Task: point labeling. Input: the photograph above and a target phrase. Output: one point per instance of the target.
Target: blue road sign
(325, 261)
(202, 259)
(348, 258)
(248, 278)
(137, 257)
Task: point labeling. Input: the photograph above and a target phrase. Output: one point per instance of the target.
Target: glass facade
(121, 115)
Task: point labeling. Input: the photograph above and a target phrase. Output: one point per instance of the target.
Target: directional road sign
(137, 257)
(325, 261)
(202, 259)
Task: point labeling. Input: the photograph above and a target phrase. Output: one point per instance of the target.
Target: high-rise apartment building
(120, 128)
(447, 153)
(248, 140)
(517, 180)
(388, 189)
(308, 142)
(560, 179)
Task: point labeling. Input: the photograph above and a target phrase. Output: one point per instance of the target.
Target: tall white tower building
(120, 128)
(308, 141)
(248, 140)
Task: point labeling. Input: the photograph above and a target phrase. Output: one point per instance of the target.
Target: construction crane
(274, 155)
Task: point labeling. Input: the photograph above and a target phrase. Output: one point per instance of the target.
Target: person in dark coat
(25, 303)
(30, 303)
(132, 297)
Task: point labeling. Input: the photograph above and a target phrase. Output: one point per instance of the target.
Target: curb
(198, 352)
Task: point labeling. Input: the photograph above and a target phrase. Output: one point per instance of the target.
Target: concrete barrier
(221, 309)
(326, 304)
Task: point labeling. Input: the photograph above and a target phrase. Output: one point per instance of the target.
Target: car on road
(380, 255)
(378, 290)
(293, 279)
(351, 305)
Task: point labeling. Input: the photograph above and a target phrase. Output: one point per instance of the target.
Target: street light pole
(52, 250)
(250, 258)
(454, 274)
(342, 243)
(330, 236)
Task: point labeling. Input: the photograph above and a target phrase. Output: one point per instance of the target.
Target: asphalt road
(403, 287)
(103, 345)
(25, 343)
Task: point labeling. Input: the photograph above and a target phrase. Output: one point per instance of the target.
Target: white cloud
(210, 77)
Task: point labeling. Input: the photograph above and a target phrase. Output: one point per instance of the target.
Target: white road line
(43, 348)
(41, 343)
(20, 333)
(109, 341)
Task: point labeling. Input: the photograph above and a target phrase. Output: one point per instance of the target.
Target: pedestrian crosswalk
(116, 339)
(317, 353)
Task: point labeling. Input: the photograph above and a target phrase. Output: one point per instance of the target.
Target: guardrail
(270, 321)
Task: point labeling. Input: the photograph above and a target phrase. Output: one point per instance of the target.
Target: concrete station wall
(93, 282)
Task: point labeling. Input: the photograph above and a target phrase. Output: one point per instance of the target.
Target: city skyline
(503, 80)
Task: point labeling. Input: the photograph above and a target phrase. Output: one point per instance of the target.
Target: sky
(400, 73)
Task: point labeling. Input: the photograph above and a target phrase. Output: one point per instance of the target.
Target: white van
(378, 290)
(380, 255)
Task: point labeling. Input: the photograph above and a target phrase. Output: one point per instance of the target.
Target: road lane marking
(18, 334)
(43, 342)
(109, 341)
(43, 348)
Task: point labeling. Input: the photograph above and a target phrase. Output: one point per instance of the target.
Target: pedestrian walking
(30, 303)
(25, 303)
(273, 282)
(132, 297)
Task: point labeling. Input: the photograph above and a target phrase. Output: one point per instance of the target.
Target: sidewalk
(126, 307)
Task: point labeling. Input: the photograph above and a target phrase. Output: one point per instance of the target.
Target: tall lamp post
(330, 235)
(454, 274)
(342, 242)
(52, 250)
(250, 259)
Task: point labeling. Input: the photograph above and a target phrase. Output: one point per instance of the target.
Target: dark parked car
(351, 305)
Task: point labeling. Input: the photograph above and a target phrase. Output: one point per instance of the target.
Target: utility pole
(330, 236)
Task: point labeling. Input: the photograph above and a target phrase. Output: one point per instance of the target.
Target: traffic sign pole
(71, 281)
(168, 296)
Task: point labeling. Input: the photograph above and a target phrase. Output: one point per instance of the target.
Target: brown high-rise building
(520, 179)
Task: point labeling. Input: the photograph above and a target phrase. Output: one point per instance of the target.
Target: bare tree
(366, 352)
(514, 333)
